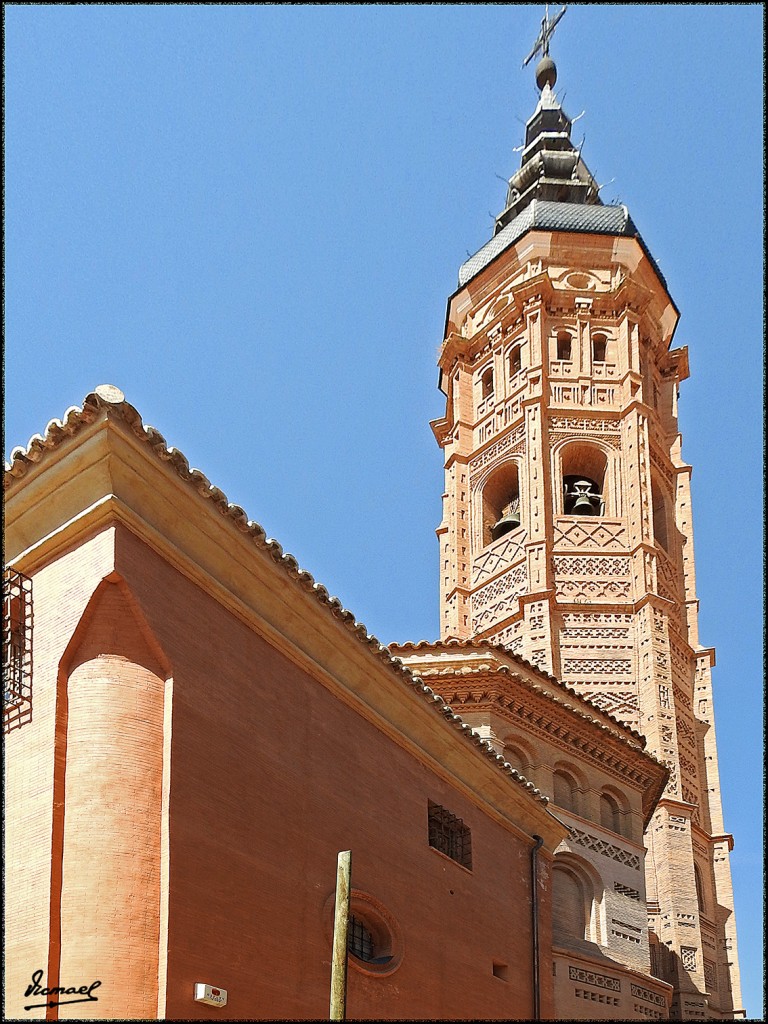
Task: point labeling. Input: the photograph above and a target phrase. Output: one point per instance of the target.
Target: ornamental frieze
(512, 443)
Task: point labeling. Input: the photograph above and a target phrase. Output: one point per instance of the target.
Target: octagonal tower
(566, 532)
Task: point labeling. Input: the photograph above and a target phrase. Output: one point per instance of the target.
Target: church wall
(270, 776)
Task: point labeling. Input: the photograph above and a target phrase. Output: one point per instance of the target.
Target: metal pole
(340, 926)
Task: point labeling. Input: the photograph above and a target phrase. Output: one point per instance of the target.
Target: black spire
(551, 167)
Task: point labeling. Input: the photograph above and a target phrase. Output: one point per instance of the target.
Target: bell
(583, 506)
(509, 521)
(583, 500)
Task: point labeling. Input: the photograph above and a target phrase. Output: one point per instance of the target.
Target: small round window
(373, 938)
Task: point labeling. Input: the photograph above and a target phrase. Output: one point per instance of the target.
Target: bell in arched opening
(508, 521)
(582, 497)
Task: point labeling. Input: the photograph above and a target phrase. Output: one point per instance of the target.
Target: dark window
(564, 345)
(449, 835)
(359, 940)
(486, 383)
(515, 361)
(17, 649)
(599, 346)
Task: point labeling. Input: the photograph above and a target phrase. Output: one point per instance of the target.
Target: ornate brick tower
(567, 531)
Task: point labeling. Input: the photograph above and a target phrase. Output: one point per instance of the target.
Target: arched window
(584, 472)
(565, 793)
(515, 360)
(564, 347)
(610, 813)
(501, 503)
(486, 383)
(660, 531)
(699, 889)
(599, 348)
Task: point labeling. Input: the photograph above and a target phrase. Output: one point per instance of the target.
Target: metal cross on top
(547, 28)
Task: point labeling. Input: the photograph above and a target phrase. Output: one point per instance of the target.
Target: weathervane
(547, 28)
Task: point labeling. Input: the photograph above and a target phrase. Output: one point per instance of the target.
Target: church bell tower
(566, 532)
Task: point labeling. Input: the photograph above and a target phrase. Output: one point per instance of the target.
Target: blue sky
(249, 218)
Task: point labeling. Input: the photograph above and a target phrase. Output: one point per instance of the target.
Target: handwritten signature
(35, 989)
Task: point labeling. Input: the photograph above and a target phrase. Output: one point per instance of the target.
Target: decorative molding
(512, 443)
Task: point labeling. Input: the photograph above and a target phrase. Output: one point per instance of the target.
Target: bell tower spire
(551, 167)
(566, 533)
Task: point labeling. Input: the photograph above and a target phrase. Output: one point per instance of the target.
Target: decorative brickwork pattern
(591, 565)
(593, 978)
(500, 555)
(626, 890)
(688, 956)
(599, 533)
(625, 931)
(512, 443)
(597, 666)
(645, 993)
(498, 599)
(631, 860)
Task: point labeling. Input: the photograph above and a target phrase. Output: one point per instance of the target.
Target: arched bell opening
(501, 503)
(584, 478)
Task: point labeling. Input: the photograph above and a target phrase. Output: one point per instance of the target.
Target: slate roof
(552, 216)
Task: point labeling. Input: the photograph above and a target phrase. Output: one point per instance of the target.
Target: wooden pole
(340, 927)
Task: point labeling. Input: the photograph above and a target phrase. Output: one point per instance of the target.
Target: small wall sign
(210, 994)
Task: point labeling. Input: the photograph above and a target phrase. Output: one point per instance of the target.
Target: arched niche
(568, 788)
(577, 896)
(615, 812)
(520, 755)
(611, 816)
(700, 890)
(661, 529)
(500, 503)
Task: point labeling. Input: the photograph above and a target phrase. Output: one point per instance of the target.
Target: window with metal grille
(17, 649)
(359, 940)
(449, 835)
